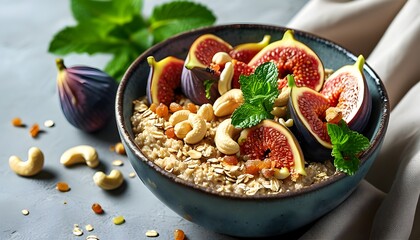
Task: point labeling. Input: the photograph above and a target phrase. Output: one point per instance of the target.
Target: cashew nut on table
(80, 154)
(28, 168)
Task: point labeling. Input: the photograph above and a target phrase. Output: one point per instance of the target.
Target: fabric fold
(356, 25)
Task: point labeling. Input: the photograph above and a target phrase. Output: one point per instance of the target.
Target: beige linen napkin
(387, 32)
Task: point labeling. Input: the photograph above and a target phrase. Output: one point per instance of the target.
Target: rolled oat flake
(92, 237)
(49, 123)
(77, 231)
(25, 212)
(152, 233)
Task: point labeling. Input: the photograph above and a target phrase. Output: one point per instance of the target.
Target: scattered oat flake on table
(92, 237)
(25, 212)
(118, 220)
(132, 174)
(89, 228)
(117, 162)
(152, 233)
(77, 231)
(49, 123)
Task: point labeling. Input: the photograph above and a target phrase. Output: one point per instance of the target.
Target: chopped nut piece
(25, 212)
(119, 148)
(117, 162)
(333, 115)
(152, 233)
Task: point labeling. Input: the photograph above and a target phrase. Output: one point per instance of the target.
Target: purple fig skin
(87, 96)
(311, 148)
(192, 85)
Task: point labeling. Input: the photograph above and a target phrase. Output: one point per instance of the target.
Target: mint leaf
(83, 38)
(259, 90)
(175, 17)
(248, 115)
(347, 165)
(122, 59)
(110, 11)
(347, 145)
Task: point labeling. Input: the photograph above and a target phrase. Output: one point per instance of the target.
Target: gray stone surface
(28, 90)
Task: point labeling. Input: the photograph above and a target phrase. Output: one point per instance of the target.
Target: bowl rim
(129, 140)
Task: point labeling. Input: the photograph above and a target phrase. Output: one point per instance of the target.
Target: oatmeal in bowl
(233, 137)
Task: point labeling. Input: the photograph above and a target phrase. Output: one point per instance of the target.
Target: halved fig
(198, 68)
(246, 51)
(271, 140)
(293, 57)
(347, 91)
(164, 79)
(203, 49)
(240, 68)
(307, 108)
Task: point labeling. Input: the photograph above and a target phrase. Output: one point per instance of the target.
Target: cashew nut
(225, 80)
(224, 137)
(182, 128)
(28, 168)
(108, 182)
(283, 97)
(228, 102)
(279, 111)
(221, 58)
(199, 129)
(179, 116)
(287, 123)
(80, 154)
(206, 112)
(281, 173)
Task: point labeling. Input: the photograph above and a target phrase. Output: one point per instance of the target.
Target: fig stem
(291, 80)
(151, 61)
(60, 64)
(360, 62)
(288, 35)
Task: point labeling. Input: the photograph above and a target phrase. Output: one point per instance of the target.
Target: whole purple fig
(87, 96)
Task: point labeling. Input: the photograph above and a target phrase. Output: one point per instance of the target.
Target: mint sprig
(259, 89)
(117, 27)
(347, 145)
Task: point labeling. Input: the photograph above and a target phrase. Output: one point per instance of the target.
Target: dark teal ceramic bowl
(247, 216)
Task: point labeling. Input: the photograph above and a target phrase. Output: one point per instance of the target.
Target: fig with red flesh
(293, 57)
(197, 68)
(240, 68)
(307, 109)
(271, 140)
(164, 79)
(246, 51)
(347, 91)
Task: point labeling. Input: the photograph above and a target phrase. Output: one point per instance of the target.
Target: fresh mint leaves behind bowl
(243, 215)
(118, 28)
